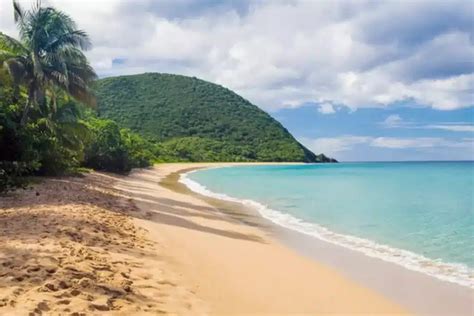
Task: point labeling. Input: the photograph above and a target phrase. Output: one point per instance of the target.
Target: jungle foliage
(196, 120)
(44, 90)
(49, 124)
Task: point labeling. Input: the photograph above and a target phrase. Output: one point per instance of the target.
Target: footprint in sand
(125, 275)
(33, 269)
(63, 285)
(51, 270)
(165, 282)
(75, 292)
(100, 304)
(18, 291)
(49, 287)
(7, 264)
(63, 302)
(20, 278)
(42, 307)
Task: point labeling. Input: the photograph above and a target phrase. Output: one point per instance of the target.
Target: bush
(139, 150)
(106, 150)
(192, 149)
(49, 150)
(41, 144)
(114, 149)
(12, 175)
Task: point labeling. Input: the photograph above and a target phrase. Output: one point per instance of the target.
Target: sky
(357, 80)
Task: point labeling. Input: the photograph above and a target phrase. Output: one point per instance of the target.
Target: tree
(47, 57)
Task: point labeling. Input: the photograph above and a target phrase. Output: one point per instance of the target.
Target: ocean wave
(451, 272)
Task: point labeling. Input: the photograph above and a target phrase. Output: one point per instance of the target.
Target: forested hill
(197, 120)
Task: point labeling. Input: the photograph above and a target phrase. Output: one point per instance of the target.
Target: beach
(70, 246)
(144, 243)
(230, 260)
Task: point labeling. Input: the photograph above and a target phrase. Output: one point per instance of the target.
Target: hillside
(198, 120)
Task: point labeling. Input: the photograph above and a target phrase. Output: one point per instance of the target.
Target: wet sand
(415, 291)
(231, 261)
(144, 244)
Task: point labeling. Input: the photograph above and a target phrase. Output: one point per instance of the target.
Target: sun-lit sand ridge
(130, 245)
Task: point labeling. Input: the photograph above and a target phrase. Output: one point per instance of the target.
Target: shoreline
(410, 288)
(459, 274)
(231, 259)
(145, 243)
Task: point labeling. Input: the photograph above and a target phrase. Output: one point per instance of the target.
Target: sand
(143, 244)
(70, 247)
(231, 262)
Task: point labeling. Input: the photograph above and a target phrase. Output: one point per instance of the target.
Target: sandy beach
(230, 261)
(70, 246)
(145, 244)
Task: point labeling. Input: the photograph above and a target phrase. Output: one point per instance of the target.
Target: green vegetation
(44, 130)
(196, 120)
(48, 58)
(47, 129)
(114, 149)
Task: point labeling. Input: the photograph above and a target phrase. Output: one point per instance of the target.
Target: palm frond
(82, 93)
(8, 43)
(18, 12)
(59, 78)
(67, 113)
(75, 38)
(48, 58)
(4, 55)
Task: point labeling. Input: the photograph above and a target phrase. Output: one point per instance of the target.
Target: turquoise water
(418, 214)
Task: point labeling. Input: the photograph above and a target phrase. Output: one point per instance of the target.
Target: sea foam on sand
(451, 272)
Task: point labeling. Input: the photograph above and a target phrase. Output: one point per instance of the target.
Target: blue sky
(357, 80)
(395, 133)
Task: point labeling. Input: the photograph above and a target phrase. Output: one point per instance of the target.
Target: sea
(416, 214)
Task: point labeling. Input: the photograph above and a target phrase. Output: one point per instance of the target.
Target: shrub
(12, 175)
(106, 150)
(114, 149)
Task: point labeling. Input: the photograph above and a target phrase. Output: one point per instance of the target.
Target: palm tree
(47, 57)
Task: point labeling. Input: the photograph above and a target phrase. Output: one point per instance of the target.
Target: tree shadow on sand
(58, 249)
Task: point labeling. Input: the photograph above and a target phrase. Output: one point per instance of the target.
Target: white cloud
(453, 128)
(326, 108)
(400, 143)
(286, 53)
(393, 120)
(444, 94)
(334, 145)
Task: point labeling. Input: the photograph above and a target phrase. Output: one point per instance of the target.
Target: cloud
(395, 121)
(335, 146)
(452, 128)
(346, 53)
(391, 121)
(326, 108)
(401, 143)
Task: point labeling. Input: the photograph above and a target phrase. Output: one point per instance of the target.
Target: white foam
(451, 272)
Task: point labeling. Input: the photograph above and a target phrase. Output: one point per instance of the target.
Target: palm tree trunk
(24, 116)
(26, 109)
